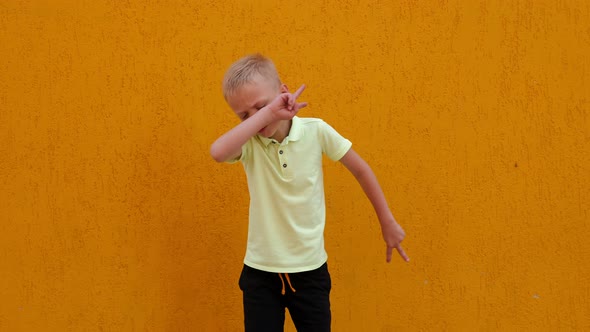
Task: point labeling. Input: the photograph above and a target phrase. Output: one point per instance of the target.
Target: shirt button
(284, 165)
(281, 151)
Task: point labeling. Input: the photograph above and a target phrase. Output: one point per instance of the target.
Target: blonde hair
(244, 70)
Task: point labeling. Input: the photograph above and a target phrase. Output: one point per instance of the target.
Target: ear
(284, 88)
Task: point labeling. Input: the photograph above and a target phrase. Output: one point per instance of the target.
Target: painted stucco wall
(473, 115)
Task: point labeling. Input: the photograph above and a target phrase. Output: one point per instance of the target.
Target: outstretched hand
(285, 105)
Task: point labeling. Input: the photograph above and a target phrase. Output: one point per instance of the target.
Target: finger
(299, 91)
(402, 253)
(299, 106)
(290, 102)
(388, 254)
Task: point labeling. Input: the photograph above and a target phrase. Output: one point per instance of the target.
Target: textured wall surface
(473, 114)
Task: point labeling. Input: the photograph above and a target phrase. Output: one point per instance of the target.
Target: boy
(285, 263)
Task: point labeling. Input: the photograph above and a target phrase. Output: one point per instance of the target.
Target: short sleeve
(246, 148)
(333, 144)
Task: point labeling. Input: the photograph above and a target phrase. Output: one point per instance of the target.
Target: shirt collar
(295, 133)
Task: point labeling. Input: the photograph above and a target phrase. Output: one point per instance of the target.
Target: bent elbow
(216, 154)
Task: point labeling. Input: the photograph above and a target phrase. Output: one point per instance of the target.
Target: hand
(285, 105)
(393, 234)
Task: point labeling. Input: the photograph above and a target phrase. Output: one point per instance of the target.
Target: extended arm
(283, 107)
(392, 232)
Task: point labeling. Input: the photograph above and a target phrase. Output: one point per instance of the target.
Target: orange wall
(473, 114)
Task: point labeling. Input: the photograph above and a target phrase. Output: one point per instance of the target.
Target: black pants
(306, 295)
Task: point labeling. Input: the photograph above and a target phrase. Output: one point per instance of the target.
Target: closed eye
(258, 107)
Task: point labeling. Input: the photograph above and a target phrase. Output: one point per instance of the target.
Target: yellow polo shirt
(287, 208)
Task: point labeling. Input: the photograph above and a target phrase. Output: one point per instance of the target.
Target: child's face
(251, 97)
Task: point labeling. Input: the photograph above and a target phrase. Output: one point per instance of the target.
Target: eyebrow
(262, 101)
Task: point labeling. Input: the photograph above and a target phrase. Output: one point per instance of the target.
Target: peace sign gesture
(393, 234)
(285, 105)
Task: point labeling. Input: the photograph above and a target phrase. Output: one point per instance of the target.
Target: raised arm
(392, 232)
(283, 107)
